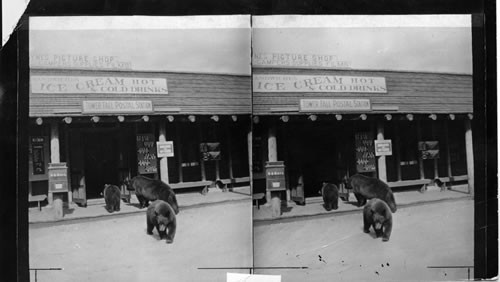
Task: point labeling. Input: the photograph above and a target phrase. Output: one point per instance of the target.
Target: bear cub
(330, 193)
(376, 213)
(112, 197)
(162, 216)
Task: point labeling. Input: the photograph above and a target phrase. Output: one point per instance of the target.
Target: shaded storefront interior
(324, 127)
(105, 126)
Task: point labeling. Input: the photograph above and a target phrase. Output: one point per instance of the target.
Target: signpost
(383, 148)
(165, 149)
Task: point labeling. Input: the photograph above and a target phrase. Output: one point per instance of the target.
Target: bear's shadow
(371, 233)
(354, 203)
(155, 234)
(324, 206)
(136, 205)
(68, 210)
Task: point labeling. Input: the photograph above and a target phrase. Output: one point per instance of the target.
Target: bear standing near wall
(112, 197)
(376, 213)
(162, 216)
(330, 193)
(365, 187)
(147, 189)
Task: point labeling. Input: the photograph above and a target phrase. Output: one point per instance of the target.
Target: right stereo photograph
(362, 149)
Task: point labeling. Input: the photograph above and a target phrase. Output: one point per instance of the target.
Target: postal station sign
(335, 105)
(97, 84)
(318, 83)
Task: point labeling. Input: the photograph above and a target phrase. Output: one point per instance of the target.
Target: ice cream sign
(318, 83)
(97, 84)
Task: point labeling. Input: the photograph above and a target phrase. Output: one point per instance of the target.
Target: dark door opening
(101, 161)
(317, 154)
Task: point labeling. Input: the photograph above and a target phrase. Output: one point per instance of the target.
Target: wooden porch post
(163, 161)
(55, 156)
(382, 167)
(67, 150)
(470, 156)
(272, 150)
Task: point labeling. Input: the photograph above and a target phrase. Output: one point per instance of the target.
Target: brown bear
(147, 189)
(376, 213)
(365, 187)
(162, 216)
(112, 197)
(330, 193)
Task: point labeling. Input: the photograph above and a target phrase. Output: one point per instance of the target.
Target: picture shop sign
(318, 83)
(97, 84)
(79, 61)
(298, 60)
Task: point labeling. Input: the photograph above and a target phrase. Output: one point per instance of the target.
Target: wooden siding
(192, 93)
(410, 92)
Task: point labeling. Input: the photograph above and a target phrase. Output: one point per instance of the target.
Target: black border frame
(14, 87)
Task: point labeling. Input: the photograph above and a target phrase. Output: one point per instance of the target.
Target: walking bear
(330, 193)
(162, 216)
(112, 197)
(376, 213)
(147, 189)
(365, 187)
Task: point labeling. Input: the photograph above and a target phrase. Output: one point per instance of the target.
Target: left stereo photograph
(139, 144)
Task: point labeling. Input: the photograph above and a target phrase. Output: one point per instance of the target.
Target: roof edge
(358, 70)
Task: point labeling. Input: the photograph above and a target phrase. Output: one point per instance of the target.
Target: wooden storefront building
(106, 125)
(328, 124)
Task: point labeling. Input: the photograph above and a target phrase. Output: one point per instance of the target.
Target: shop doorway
(316, 154)
(98, 156)
(101, 161)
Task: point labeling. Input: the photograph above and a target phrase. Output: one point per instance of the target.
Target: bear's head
(378, 221)
(127, 183)
(161, 213)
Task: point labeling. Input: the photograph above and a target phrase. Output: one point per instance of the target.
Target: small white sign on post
(165, 149)
(383, 147)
